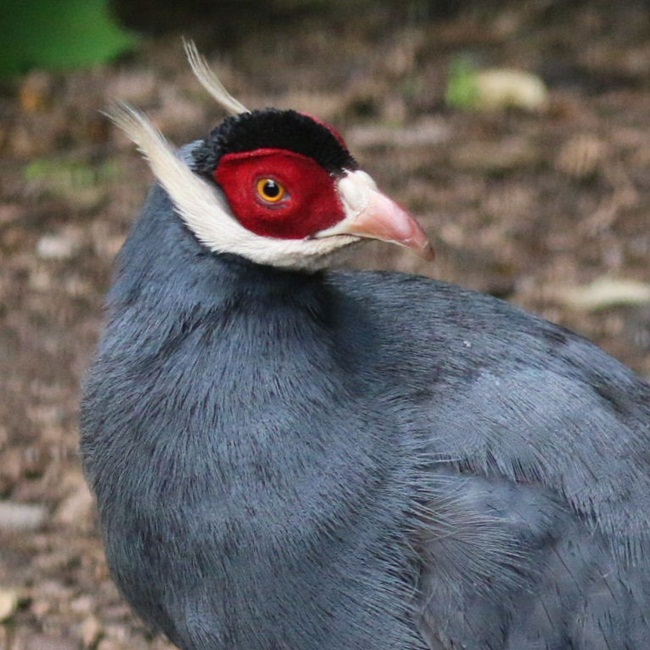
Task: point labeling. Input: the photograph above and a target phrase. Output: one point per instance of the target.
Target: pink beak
(371, 214)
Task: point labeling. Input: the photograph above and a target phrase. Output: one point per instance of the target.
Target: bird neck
(163, 264)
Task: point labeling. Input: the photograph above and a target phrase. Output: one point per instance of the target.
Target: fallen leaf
(504, 88)
(8, 603)
(603, 294)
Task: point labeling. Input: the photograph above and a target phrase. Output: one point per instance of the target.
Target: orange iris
(269, 190)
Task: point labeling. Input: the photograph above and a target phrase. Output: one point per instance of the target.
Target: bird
(289, 455)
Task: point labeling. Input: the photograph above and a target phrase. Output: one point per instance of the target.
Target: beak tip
(379, 217)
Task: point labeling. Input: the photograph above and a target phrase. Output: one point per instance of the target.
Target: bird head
(278, 187)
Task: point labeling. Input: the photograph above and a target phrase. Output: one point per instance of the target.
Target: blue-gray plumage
(295, 459)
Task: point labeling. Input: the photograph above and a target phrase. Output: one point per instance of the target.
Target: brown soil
(519, 204)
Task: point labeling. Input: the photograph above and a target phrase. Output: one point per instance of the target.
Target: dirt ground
(530, 206)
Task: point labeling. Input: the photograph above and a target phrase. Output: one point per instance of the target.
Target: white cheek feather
(205, 211)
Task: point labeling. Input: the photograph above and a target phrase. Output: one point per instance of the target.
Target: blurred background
(518, 132)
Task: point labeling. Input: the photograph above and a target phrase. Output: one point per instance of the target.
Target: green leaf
(462, 88)
(58, 35)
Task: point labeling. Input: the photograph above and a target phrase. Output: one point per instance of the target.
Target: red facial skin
(310, 203)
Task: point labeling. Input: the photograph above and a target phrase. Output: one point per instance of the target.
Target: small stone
(21, 516)
(56, 247)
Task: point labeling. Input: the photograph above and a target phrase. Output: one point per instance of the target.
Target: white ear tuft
(199, 204)
(210, 82)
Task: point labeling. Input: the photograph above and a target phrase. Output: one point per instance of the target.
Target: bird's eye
(270, 190)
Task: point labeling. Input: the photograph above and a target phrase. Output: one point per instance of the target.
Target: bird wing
(532, 520)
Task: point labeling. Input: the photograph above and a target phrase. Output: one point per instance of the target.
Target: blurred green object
(462, 87)
(58, 35)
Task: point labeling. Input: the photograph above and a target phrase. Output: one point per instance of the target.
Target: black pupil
(271, 189)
